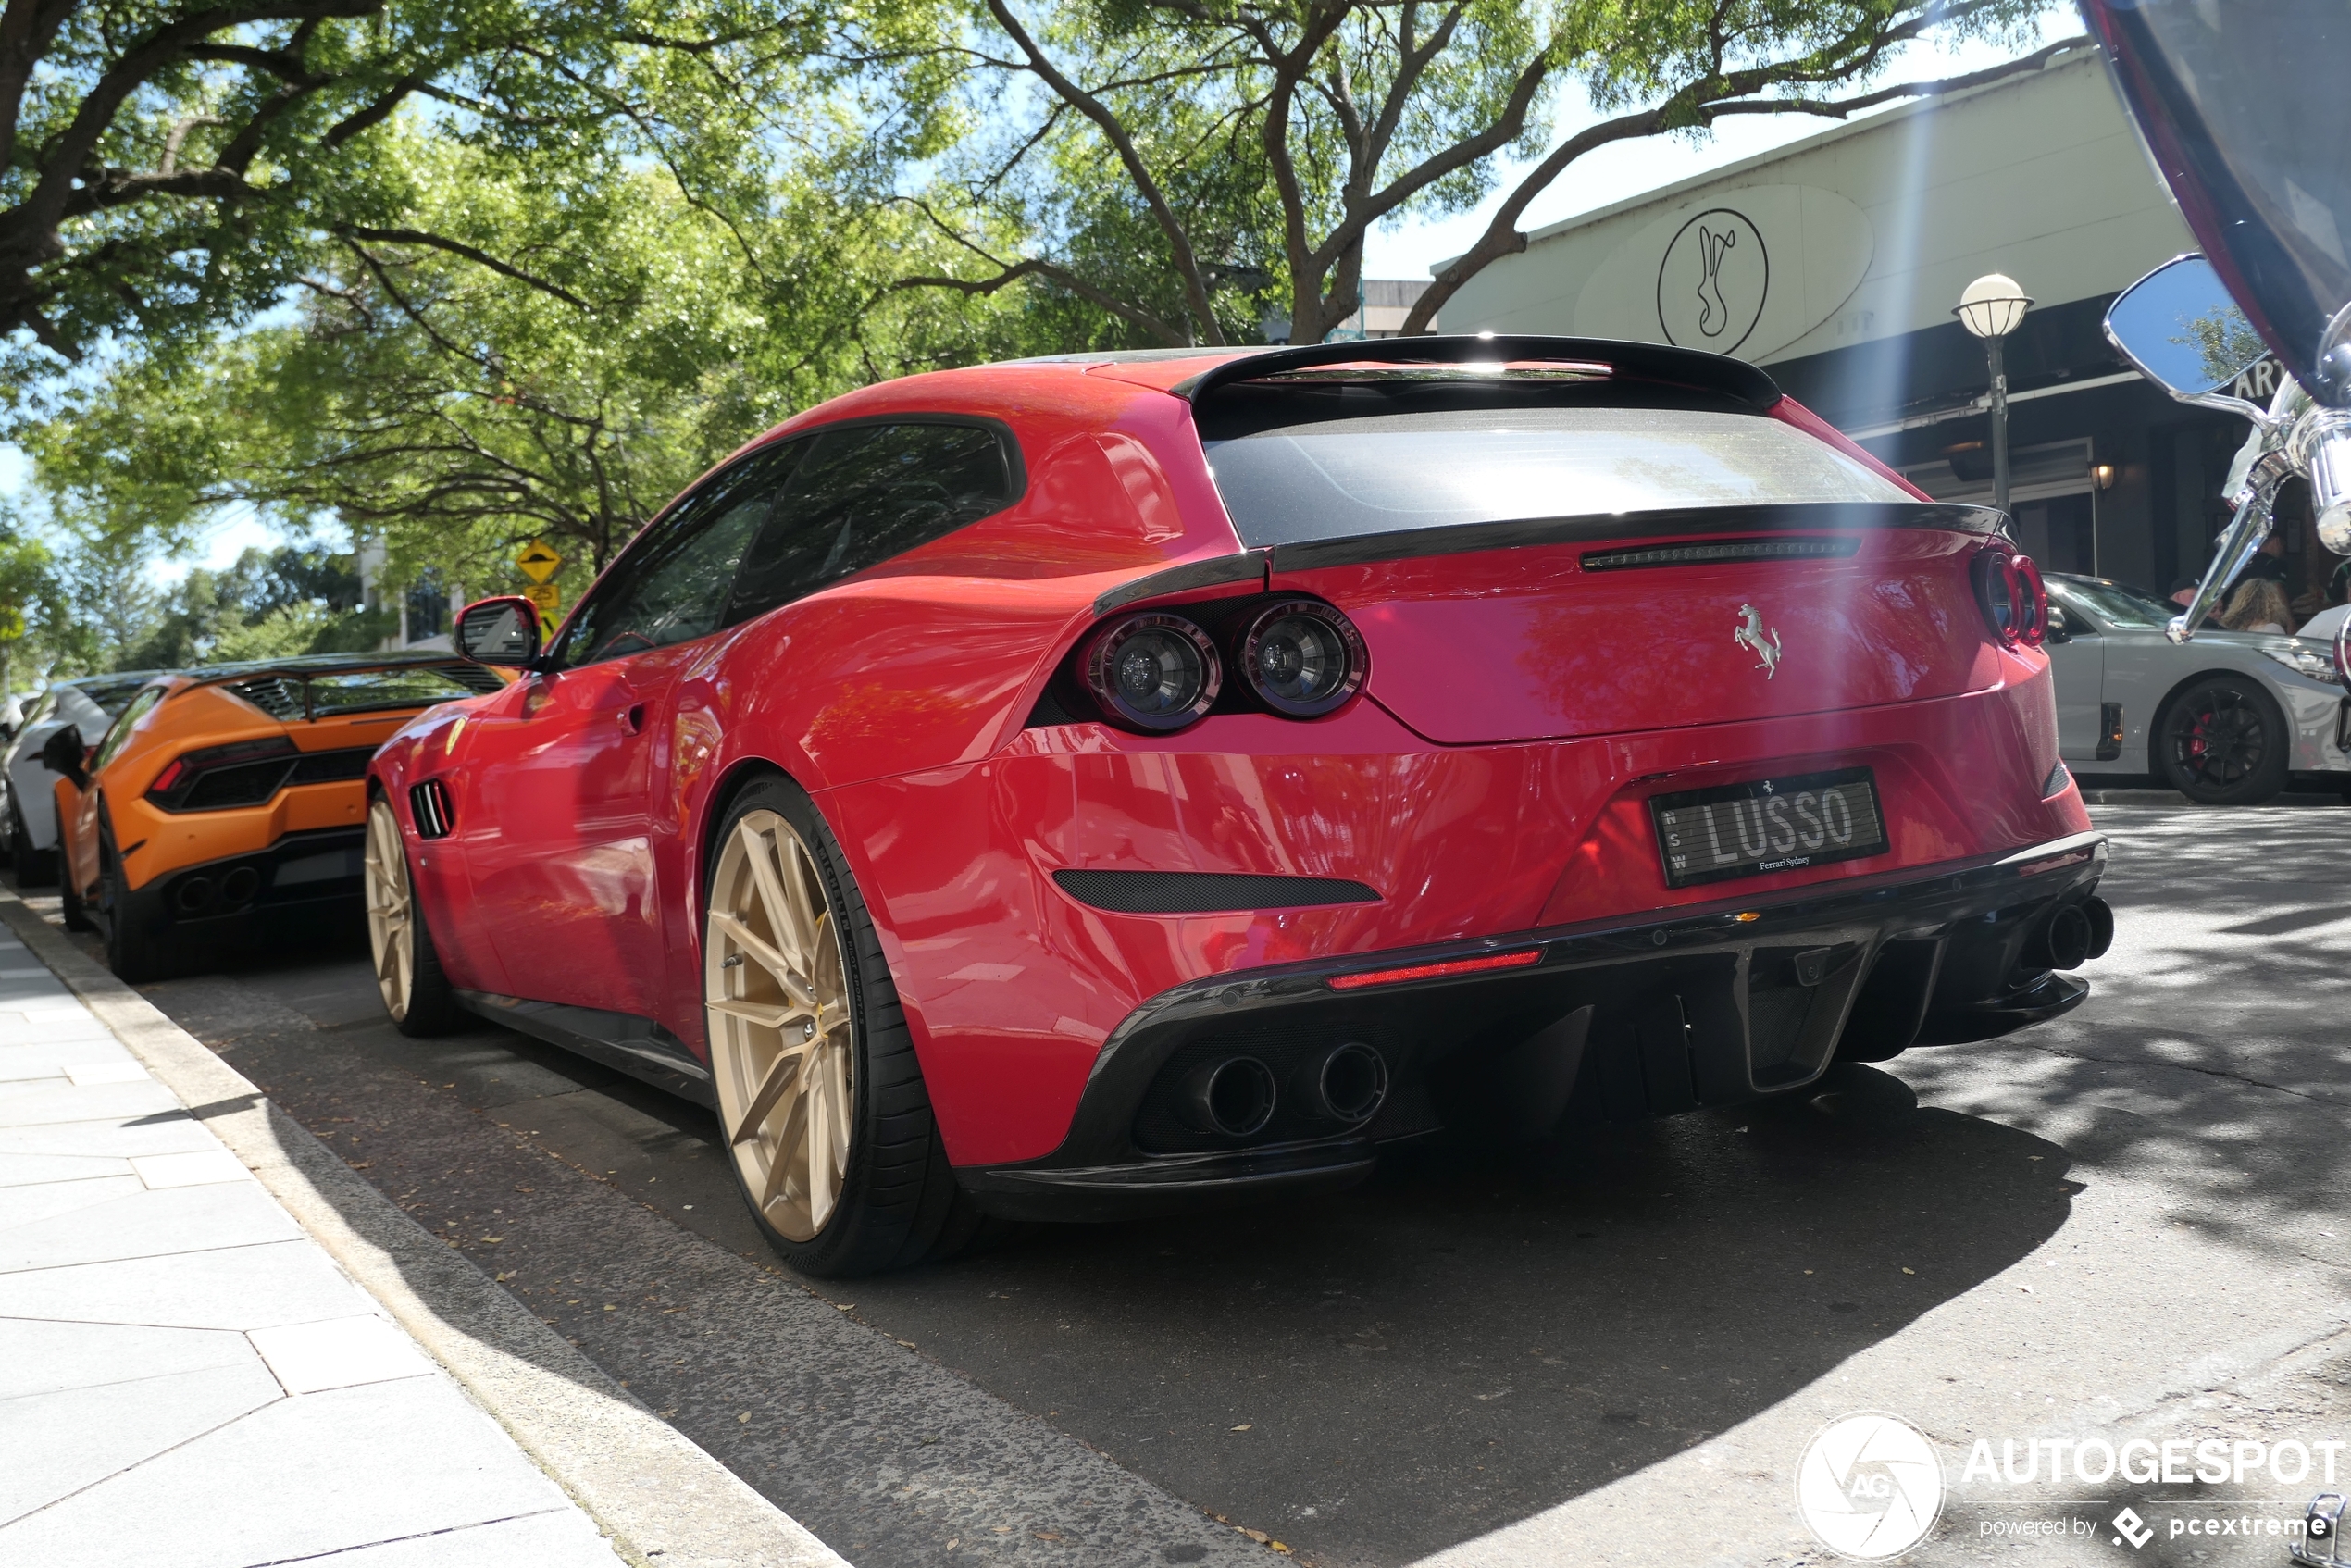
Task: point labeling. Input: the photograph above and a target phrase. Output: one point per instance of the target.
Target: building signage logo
(1711, 284)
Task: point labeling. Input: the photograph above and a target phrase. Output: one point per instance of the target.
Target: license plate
(1770, 825)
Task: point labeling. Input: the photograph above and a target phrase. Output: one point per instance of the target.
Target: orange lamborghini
(230, 802)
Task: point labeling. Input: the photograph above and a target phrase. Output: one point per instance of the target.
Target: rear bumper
(285, 889)
(1704, 1005)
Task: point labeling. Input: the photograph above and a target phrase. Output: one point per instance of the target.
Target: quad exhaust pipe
(1344, 1086)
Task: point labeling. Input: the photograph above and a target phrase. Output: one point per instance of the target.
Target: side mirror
(2058, 630)
(64, 753)
(2179, 328)
(498, 631)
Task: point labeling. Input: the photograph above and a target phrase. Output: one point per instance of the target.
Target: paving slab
(47, 1357)
(210, 1342)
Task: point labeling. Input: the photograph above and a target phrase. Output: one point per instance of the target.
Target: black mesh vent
(428, 804)
(333, 768)
(1727, 550)
(1048, 710)
(279, 696)
(1204, 892)
(247, 784)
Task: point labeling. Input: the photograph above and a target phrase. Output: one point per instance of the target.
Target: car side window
(672, 585)
(865, 493)
(120, 730)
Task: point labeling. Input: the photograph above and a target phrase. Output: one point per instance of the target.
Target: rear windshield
(1384, 473)
(324, 695)
(111, 695)
(2119, 606)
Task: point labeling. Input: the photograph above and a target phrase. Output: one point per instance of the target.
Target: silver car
(2228, 719)
(28, 790)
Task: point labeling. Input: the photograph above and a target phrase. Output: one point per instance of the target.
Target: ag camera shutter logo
(1870, 1486)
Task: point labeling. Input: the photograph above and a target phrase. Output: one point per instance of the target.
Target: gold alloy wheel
(781, 1045)
(391, 924)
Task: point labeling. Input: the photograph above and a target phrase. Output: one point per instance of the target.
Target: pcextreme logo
(1870, 1486)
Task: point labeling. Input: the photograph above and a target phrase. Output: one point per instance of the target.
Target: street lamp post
(1990, 308)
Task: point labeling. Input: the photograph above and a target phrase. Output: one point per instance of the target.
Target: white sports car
(28, 798)
(2229, 718)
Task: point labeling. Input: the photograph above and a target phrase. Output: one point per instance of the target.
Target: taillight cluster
(241, 773)
(2014, 600)
(1157, 671)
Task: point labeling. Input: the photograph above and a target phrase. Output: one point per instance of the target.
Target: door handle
(633, 719)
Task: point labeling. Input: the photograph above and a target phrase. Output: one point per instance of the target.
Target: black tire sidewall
(2262, 784)
(865, 1232)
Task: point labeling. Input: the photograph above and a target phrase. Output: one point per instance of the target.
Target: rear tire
(821, 1100)
(408, 975)
(133, 955)
(2222, 742)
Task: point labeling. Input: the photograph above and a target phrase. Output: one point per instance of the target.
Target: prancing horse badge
(1764, 645)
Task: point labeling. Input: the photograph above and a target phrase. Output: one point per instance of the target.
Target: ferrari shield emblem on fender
(1764, 645)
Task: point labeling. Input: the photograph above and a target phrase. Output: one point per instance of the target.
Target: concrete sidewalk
(186, 1377)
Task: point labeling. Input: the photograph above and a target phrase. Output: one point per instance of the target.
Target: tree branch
(1170, 226)
(459, 248)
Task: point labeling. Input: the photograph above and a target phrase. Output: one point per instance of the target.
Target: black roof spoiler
(1648, 362)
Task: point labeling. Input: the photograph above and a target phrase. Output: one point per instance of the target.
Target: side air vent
(428, 803)
(279, 696)
(1718, 551)
(1204, 892)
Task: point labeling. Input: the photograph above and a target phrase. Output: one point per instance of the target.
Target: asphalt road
(2134, 1220)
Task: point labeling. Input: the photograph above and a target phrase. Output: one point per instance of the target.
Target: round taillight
(1302, 657)
(1152, 672)
(2008, 589)
(2343, 653)
(2030, 597)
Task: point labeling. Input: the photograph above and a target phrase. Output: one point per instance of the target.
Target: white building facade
(1834, 262)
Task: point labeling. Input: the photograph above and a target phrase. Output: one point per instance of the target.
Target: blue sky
(1412, 248)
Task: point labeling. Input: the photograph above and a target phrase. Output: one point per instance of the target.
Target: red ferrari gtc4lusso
(1087, 787)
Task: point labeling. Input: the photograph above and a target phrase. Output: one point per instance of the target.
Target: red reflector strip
(1434, 971)
(169, 777)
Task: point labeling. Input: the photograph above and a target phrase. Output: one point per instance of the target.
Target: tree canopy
(1167, 161)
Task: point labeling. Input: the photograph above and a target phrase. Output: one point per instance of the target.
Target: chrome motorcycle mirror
(2180, 329)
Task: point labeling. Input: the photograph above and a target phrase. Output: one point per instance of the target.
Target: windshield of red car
(1386, 472)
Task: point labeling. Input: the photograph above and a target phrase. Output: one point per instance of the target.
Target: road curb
(664, 1502)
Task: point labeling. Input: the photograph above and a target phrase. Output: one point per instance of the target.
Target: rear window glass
(110, 695)
(2112, 602)
(418, 686)
(328, 694)
(1386, 473)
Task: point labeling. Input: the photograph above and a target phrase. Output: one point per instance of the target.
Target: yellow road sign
(550, 600)
(539, 562)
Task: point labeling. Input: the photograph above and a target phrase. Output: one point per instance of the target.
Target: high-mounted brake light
(1435, 971)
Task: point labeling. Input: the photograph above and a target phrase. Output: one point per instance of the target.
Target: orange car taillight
(214, 777)
(2014, 600)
